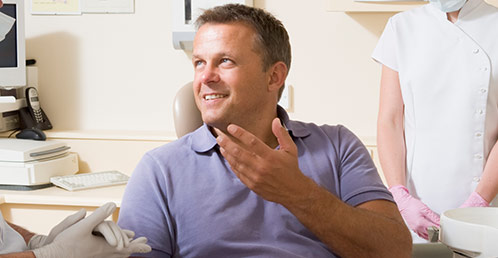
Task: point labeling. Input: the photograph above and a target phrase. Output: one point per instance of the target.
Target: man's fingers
(284, 139)
(238, 167)
(99, 215)
(249, 140)
(235, 150)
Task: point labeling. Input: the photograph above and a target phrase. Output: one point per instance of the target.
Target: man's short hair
(272, 40)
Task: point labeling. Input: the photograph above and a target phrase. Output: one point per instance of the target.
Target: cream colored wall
(120, 71)
(107, 81)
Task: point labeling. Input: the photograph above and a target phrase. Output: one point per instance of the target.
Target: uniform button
(484, 68)
(476, 179)
(480, 111)
(478, 156)
(476, 51)
(483, 90)
(478, 134)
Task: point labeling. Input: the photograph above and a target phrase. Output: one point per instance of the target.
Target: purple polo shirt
(186, 200)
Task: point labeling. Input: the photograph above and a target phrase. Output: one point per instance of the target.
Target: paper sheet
(6, 23)
(55, 7)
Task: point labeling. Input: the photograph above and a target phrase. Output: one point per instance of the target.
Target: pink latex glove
(416, 214)
(475, 200)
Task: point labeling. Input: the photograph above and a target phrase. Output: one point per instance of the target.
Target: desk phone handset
(33, 116)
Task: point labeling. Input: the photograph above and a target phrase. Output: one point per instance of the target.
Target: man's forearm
(350, 231)
(26, 234)
(27, 254)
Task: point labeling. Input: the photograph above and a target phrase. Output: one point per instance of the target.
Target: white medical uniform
(10, 240)
(449, 82)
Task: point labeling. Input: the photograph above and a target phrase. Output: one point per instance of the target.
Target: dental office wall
(107, 81)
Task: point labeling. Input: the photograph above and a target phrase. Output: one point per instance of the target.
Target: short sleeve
(386, 50)
(144, 210)
(360, 181)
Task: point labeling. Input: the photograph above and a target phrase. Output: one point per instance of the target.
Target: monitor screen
(12, 48)
(8, 47)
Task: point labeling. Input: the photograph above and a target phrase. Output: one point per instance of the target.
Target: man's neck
(260, 128)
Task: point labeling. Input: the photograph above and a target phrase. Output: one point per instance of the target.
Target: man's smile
(214, 96)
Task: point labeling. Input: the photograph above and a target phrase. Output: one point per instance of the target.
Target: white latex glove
(113, 234)
(77, 241)
(38, 241)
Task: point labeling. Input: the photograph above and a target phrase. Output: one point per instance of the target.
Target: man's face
(230, 85)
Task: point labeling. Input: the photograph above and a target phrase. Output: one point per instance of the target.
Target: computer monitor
(12, 48)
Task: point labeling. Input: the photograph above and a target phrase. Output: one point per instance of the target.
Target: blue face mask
(448, 6)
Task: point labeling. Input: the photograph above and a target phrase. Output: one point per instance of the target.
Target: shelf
(371, 6)
(107, 135)
(57, 196)
(378, 6)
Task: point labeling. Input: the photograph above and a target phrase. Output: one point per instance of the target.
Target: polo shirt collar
(295, 129)
(202, 140)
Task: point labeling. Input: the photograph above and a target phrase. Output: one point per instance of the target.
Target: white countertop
(58, 196)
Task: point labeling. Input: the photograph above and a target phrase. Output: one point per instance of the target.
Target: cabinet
(40, 210)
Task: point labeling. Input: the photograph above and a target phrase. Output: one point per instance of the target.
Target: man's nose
(210, 74)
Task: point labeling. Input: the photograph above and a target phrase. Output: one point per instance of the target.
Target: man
(242, 185)
(75, 237)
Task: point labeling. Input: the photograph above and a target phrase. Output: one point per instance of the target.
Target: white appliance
(470, 232)
(184, 14)
(29, 164)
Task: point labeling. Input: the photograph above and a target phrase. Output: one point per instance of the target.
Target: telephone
(33, 116)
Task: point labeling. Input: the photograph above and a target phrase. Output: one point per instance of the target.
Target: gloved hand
(475, 200)
(416, 214)
(77, 241)
(38, 241)
(113, 234)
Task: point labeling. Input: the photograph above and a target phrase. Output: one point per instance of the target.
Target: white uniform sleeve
(10, 240)
(386, 50)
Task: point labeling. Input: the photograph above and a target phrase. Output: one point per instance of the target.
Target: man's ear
(277, 74)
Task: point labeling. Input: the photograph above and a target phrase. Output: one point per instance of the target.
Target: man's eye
(226, 60)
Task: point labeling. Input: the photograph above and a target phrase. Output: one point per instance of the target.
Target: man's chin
(216, 125)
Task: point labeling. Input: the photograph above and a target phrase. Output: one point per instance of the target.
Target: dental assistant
(438, 115)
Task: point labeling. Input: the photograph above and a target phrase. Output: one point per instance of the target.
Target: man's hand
(272, 174)
(77, 241)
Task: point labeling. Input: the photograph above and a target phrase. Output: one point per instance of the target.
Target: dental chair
(186, 116)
